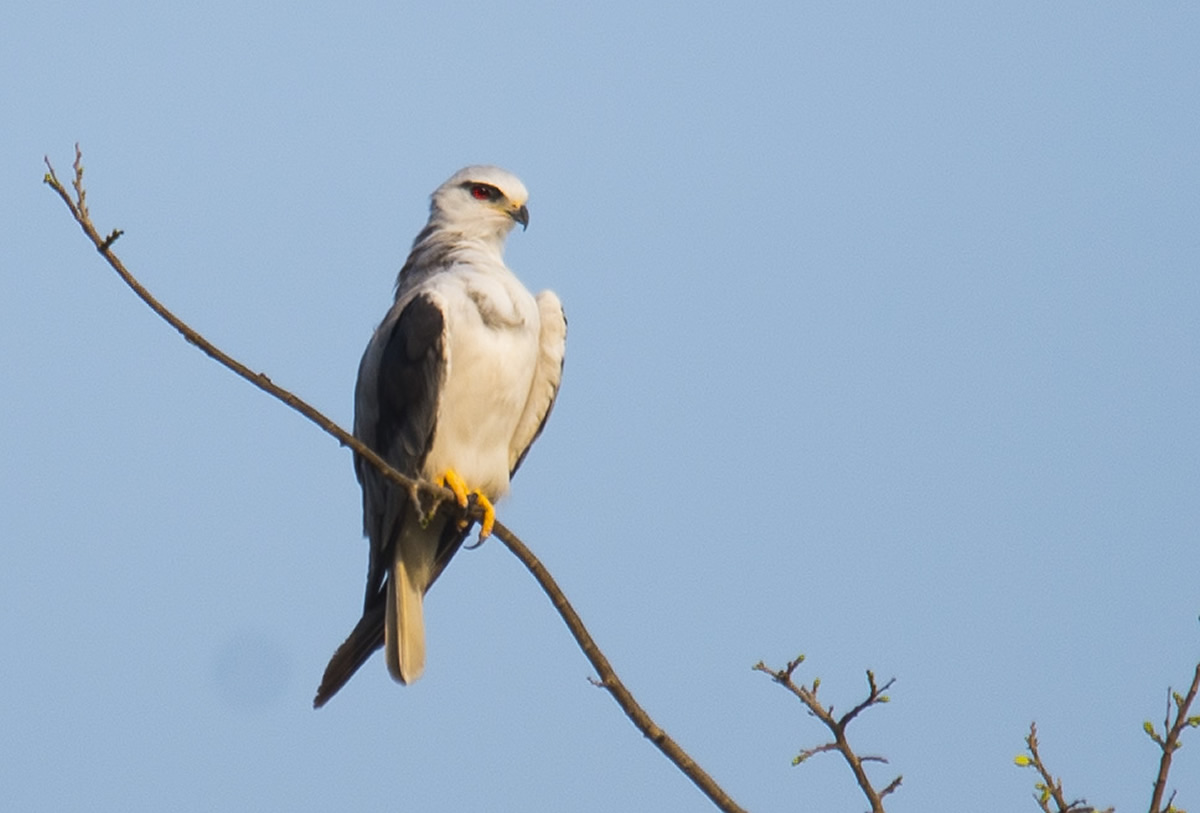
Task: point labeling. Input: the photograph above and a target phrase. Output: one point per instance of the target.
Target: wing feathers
(412, 367)
(396, 414)
(552, 343)
(364, 639)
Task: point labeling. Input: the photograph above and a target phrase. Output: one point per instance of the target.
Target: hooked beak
(521, 216)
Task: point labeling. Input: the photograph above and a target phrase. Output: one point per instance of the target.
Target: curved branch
(608, 677)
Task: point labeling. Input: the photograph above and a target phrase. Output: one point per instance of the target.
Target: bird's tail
(394, 615)
(404, 626)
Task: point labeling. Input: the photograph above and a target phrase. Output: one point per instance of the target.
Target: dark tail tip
(364, 639)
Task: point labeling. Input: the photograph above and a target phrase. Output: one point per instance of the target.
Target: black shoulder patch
(410, 374)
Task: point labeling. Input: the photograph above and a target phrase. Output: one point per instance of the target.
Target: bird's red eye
(480, 192)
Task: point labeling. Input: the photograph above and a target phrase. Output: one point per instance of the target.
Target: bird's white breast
(492, 330)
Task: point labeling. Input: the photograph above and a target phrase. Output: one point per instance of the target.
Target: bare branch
(837, 726)
(876, 695)
(608, 677)
(1175, 721)
(1171, 742)
(1049, 789)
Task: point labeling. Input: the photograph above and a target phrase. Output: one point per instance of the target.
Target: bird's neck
(438, 247)
(438, 236)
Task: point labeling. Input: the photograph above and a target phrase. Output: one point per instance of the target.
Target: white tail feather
(404, 624)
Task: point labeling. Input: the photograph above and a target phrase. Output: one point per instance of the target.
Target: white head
(480, 202)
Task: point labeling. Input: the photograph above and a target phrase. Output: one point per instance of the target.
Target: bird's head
(481, 202)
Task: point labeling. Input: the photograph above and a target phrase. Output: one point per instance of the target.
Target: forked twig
(837, 726)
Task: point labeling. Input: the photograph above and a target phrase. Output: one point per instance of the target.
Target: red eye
(480, 192)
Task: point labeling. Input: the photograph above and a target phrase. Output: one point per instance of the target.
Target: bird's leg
(454, 482)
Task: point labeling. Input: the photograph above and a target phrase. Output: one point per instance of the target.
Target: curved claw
(489, 515)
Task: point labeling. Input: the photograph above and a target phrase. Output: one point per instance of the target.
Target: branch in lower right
(807, 693)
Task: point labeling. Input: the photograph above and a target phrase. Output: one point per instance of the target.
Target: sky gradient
(884, 348)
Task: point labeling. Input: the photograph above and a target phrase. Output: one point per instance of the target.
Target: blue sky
(884, 349)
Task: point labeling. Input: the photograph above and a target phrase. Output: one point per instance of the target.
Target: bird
(453, 388)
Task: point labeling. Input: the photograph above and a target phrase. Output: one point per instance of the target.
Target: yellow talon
(489, 515)
(455, 483)
(452, 481)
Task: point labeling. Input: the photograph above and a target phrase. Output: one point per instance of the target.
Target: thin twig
(837, 726)
(608, 677)
(1170, 744)
(1050, 789)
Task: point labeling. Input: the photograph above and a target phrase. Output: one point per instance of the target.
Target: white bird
(453, 388)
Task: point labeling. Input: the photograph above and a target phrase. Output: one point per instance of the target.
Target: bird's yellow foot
(452, 481)
(455, 483)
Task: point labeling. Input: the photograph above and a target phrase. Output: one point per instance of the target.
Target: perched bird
(454, 386)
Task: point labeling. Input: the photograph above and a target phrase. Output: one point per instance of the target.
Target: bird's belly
(486, 387)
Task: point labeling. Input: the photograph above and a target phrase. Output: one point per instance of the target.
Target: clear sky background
(885, 348)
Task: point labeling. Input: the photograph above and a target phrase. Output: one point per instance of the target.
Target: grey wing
(552, 345)
(396, 402)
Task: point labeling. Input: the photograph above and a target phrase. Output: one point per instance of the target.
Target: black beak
(521, 216)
